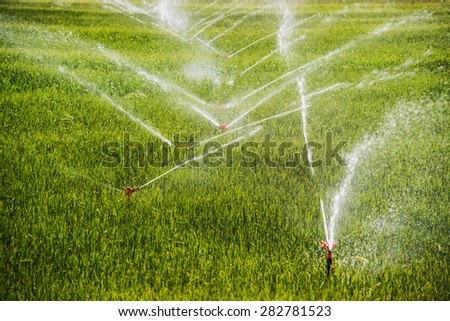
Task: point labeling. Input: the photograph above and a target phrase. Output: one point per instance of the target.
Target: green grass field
(233, 227)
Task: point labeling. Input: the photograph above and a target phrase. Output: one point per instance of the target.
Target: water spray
(268, 36)
(285, 31)
(237, 23)
(339, 199)
(326, 244)
(204, 8)
(164, 84)
(93, 88)
(312, 65)
(207, 45)
(301, 90)
(130, 190)
(263, 100)
(253, 124)
(205, 115)
(272, 53)
(130, 10)
(213, 21)
(209, 17)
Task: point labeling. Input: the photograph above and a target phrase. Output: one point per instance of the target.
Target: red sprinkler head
(330, 267)
(130, 190)
(223, 127)
(327, 246)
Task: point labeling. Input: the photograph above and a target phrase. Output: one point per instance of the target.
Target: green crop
(239, 229)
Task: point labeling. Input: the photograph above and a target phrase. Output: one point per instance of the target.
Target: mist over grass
(371, 72)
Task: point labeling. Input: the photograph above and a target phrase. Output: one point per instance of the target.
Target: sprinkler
(130, 190)
(223, 127)
(330, 267)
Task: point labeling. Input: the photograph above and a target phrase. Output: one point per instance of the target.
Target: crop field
(181, 150)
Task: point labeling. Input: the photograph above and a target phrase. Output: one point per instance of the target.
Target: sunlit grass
(226, 232)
